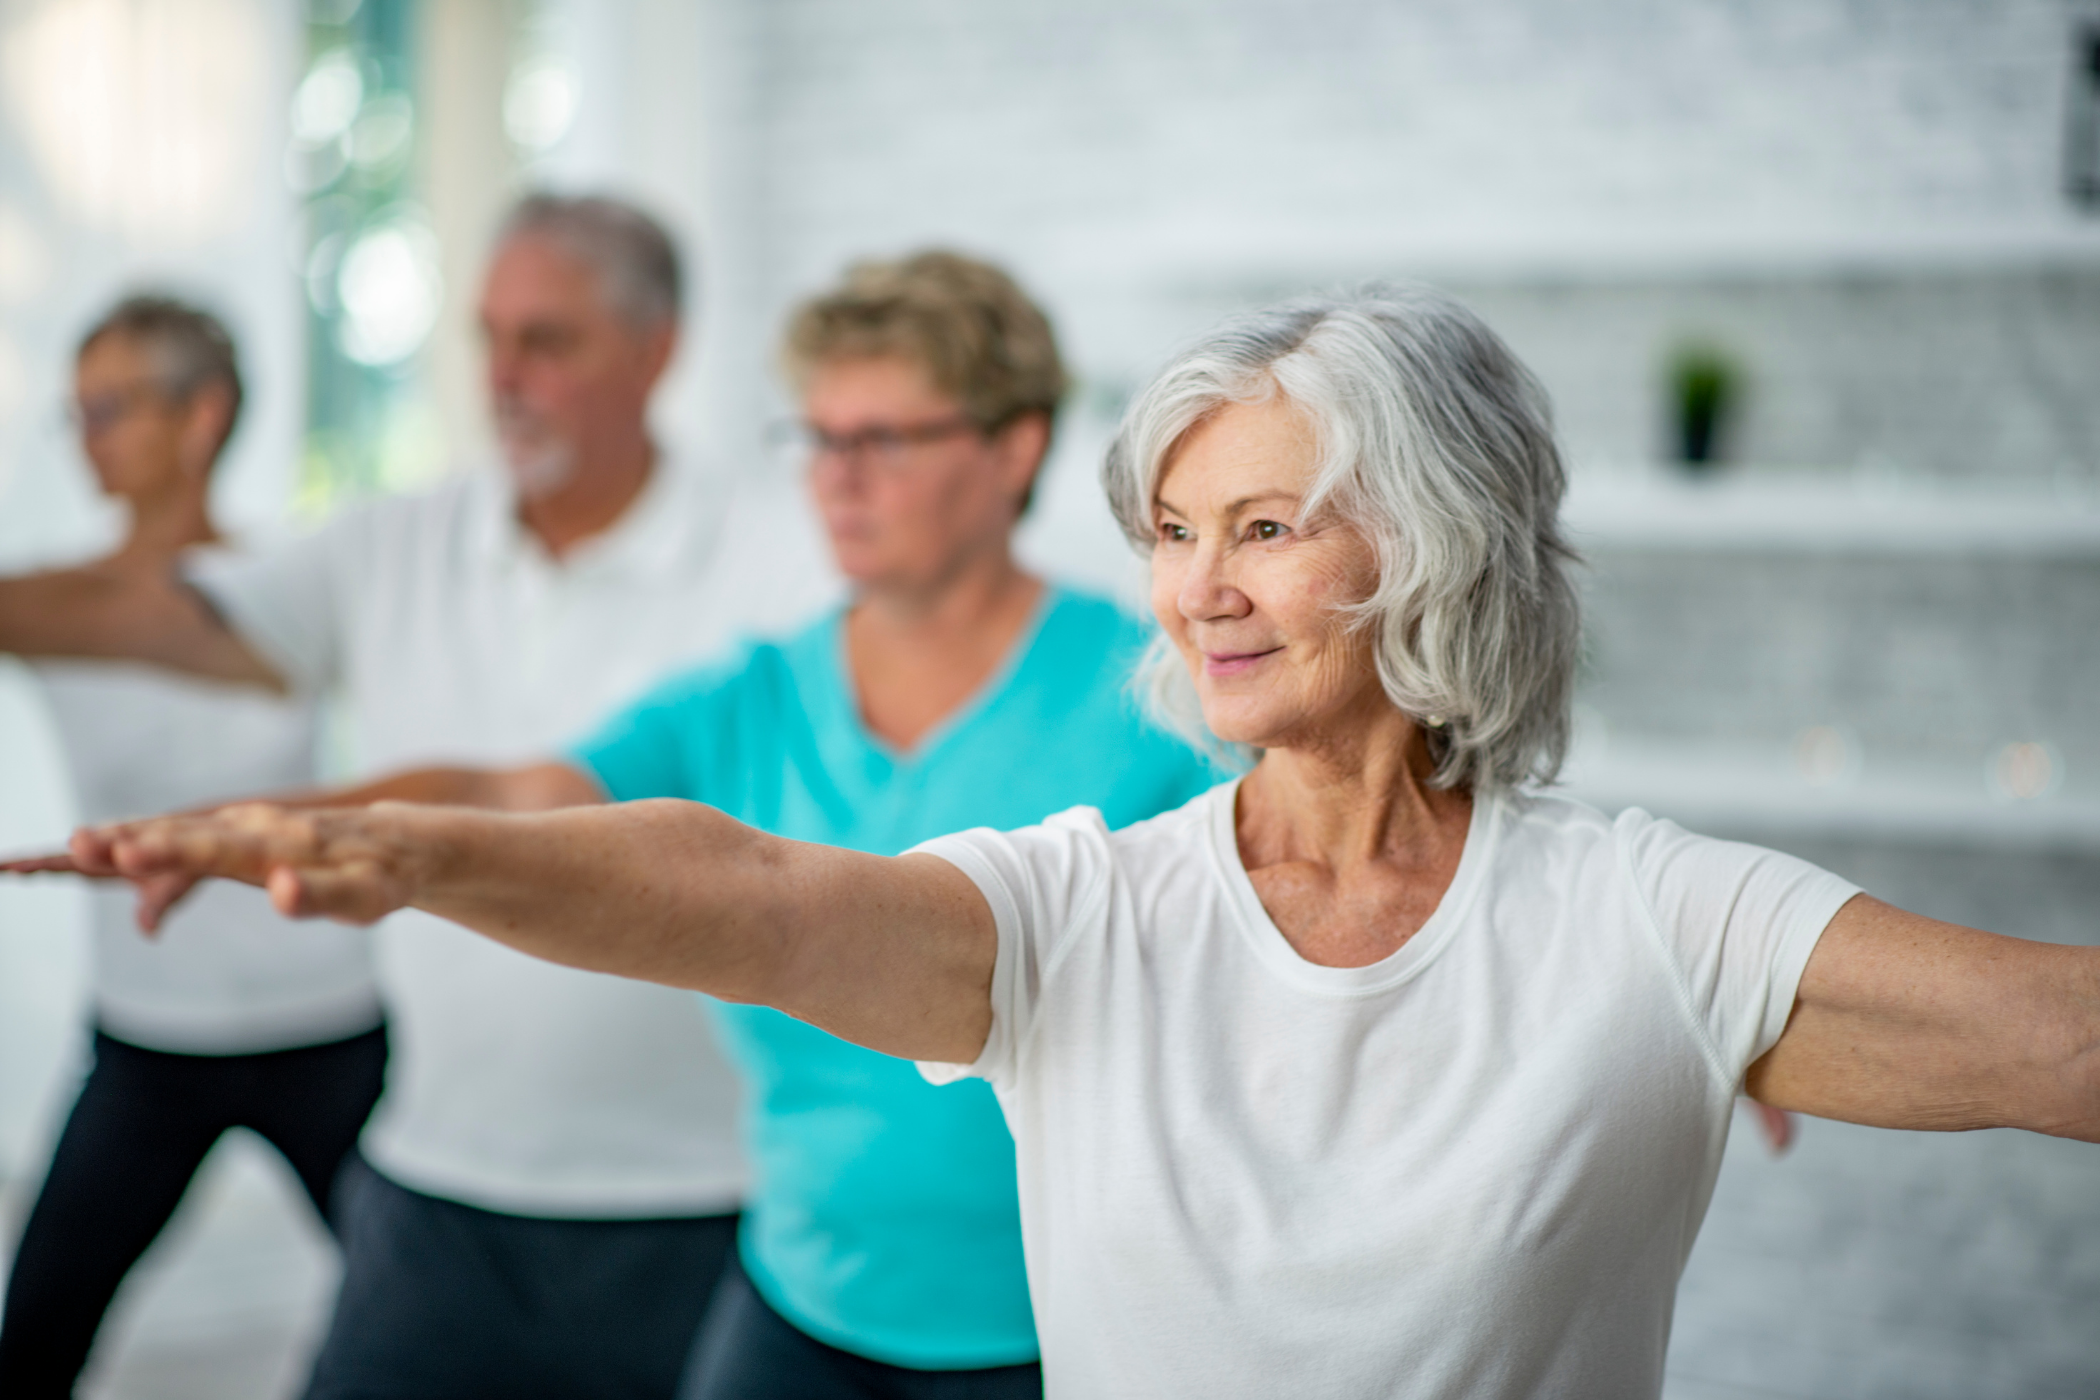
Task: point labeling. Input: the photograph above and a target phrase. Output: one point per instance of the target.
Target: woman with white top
(232, 1017)
(1380, 1070)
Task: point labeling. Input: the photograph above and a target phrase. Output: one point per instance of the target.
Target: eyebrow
(1232, 507)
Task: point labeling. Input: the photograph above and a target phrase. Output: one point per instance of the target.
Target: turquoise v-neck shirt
(885, 1218)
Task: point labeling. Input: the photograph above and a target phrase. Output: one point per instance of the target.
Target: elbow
(2073, 1052)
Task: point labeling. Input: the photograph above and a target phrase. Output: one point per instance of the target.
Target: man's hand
(356, 865)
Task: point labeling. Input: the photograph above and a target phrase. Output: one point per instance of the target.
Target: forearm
(667, 892)
(535, 788)
(892, 953)
(153, 618)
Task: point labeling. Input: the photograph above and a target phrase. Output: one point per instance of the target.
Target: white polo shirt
(517, 1085)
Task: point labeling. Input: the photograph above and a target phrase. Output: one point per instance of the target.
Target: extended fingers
(157, 894)
(238, 843)
(59, 863)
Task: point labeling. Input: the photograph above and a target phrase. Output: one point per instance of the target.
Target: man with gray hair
(548, 1187)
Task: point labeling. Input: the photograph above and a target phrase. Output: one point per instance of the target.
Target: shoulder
(744, 666)
(447, 505)
(380, 532)
(1546, 817)
(1155, 840)
(1082, 657)
(1079, 618)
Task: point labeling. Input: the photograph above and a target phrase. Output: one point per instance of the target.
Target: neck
(974, 592)
(165, 523)
(597, 493)
(1355, 791)
(917, 653)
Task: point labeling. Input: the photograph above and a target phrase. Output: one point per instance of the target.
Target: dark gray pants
(750, 1352)
(442, 1301)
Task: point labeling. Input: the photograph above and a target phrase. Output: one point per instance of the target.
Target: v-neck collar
(1403, 963)
(994, 686)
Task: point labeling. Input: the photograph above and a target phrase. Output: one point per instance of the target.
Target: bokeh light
(389, 290)
(539, 103)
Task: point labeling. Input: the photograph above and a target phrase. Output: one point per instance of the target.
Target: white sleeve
(1738, 921)
(1042, 882)
(286, 602)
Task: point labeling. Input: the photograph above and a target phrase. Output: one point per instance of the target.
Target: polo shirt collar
(670, 528)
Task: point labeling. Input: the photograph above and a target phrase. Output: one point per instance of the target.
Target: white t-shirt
(1473, 1169)
(517, 1085)
(226, 975)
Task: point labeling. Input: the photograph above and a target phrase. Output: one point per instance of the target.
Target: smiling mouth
(1233, 663)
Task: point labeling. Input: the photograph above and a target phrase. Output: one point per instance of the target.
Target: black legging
(138, 1132)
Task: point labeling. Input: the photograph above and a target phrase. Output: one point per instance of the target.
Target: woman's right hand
(356, 865)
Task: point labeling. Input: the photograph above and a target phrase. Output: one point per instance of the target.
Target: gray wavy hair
(1437, 443)
(635, 258)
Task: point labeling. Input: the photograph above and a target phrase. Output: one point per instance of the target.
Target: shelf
(1747, 510)
(1737, 788)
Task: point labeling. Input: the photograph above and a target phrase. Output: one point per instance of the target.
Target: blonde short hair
(976, 333)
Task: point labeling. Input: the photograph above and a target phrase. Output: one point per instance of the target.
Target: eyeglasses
(102, 412)
(886, 447)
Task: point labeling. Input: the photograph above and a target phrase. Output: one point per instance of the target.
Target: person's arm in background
(137, 615)
(894, 953)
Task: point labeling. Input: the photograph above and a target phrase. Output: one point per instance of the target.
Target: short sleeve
(1739, 921)
(640, 751)
(286, 602)
(1043, 883)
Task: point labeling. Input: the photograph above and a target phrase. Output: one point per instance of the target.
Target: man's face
(568, 376)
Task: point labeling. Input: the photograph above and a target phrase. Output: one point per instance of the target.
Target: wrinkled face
(906, 485)
(566, 373)
(130, 429)
(1248, 586)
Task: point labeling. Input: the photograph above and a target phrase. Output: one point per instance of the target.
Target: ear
(1022, 445)
(207, 420)
(657, 345)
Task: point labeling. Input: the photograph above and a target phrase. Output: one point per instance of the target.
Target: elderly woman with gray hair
(1378, 1070)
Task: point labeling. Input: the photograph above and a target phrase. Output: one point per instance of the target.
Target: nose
(1207, 592)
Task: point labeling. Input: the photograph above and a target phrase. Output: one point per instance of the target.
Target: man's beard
(540, 463)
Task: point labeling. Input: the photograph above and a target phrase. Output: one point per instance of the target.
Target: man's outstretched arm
(135, 615)
(892, 953)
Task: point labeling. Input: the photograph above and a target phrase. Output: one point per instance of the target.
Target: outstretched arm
(892, 953)
(537, 787)
(1906, 1022)
(136, 615)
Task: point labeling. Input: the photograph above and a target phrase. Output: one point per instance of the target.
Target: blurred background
(1815, 285)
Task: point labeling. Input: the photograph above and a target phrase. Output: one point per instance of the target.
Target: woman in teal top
(885, 1222)
(881, 1244)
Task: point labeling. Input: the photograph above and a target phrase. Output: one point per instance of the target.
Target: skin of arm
(1899, 1021)
(136, 615)
(535, 788)
(894, 953)
(1905, 1022)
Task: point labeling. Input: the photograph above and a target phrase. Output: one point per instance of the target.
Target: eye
(1170, 533)
(1267, 530)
